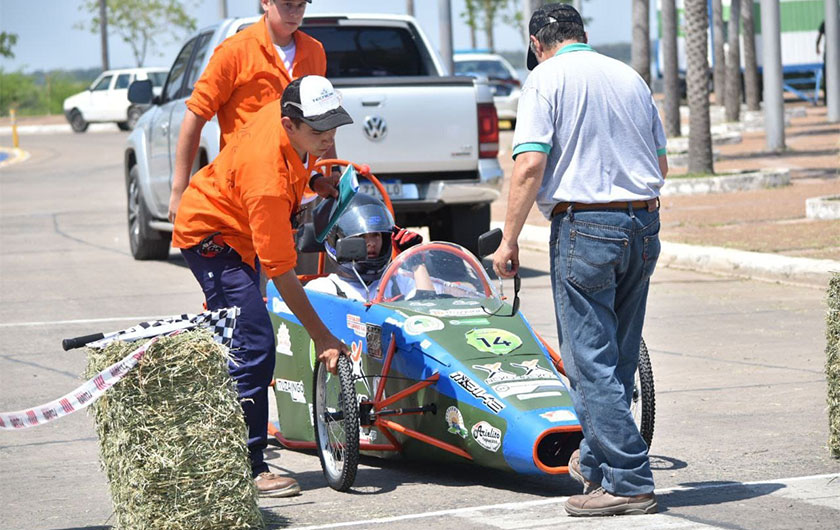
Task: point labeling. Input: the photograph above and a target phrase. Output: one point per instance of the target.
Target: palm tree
(719, 55)
(733, 63)
(697, 79)
(640, 48)
(671, 74)
(751, 88)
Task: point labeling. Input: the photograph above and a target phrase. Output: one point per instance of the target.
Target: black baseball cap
(549, 14)
(313, 100)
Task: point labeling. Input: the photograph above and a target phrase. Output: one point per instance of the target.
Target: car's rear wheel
(336, 420)
(643, 405)
(133, 115)
(462, 224)
(145, 242)
(77, 121)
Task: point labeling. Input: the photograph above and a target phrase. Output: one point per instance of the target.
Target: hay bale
(832, 364)
(173, 438)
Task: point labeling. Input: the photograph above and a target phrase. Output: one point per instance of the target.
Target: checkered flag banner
(221, 322)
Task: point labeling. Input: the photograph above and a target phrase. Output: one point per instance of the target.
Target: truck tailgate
(410, 124)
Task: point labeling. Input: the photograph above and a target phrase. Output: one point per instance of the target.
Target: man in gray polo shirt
(589, 148)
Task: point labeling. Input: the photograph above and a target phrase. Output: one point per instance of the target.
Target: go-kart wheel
(337, 424)
(643, 406)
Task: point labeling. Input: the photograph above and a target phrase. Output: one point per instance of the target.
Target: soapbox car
(441, 367)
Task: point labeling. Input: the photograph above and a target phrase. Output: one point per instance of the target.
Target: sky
(48, 40)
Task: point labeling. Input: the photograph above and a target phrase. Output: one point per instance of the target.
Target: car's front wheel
(145, 242)
(77, 121)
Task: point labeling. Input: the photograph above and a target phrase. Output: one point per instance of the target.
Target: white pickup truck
(431, 138)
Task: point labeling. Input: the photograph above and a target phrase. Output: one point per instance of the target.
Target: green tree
(719, 51)
(470, 16)
(140, 23)
(7, 41)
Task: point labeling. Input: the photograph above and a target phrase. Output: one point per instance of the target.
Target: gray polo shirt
(596, 119)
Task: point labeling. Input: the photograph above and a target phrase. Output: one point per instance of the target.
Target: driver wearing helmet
(368, 218)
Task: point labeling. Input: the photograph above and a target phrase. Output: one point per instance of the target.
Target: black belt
(650, 205)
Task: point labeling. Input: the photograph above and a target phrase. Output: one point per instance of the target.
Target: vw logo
(375, 128)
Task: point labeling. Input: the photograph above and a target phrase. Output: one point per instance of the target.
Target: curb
(805, 272)
(57, 128)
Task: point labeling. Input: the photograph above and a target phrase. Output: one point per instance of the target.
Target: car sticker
(284, 341)
(425, 344)
(466, 302)
(420, 324)
(538, 395)
(495, 373)
(455, 422)
(356, 360)
(487, 436)
(470, 322)
(312, 354)
(556, 416)
(394, 322)
(293, 388)
(533, 370)
(354, 322)
(493, 340)
(422, 304)
(478, 392)
(476, 311)
(527, 387)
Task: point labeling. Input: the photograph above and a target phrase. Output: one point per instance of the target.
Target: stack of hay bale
(173, 438)
(832, 364)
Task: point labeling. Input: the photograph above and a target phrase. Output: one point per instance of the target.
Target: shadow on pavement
(714, 492)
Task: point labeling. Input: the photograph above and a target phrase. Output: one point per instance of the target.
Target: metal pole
(409, 7)
(774, 109)
(832, 62)
(445, 18)
(223, 9)
(103, 33)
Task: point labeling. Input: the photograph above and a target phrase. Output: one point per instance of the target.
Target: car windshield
(158, 78)
(361, 51)
(494, 69)
(438, 271)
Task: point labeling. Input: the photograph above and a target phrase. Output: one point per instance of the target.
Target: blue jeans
(601, 263)
(227, 281)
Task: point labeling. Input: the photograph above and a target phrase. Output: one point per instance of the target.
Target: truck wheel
(77, 121)
(145, 242)
(462, 224)
(133, 115)
(336, 420)
(643, 405)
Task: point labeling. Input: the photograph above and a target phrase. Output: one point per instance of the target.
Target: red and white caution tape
(77, 399)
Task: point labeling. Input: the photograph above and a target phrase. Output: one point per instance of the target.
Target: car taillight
(488, 131)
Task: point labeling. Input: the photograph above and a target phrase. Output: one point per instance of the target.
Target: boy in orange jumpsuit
(241, 206)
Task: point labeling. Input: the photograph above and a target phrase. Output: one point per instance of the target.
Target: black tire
(145, 242)
(462, 224)
(123, 126)
(132, 116)
(643, 405)
(336, 420)
(77, 121)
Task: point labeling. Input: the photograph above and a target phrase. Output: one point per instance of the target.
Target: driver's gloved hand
(403, 239)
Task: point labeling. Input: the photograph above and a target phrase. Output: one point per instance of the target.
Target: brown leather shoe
(602, 502)
(574, 472)
(271, 485)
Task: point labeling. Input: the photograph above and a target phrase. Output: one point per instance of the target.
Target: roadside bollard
(15, 139)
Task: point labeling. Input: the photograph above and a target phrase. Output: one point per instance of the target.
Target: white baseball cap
(313, 100)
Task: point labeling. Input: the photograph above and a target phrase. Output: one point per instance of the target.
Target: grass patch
(691, 176)
(172, 438)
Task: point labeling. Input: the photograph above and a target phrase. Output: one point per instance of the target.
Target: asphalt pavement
(741, 424)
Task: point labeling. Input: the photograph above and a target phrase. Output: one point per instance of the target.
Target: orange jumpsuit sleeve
(216, 83)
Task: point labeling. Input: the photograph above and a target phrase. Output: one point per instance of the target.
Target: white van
(106, 100)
